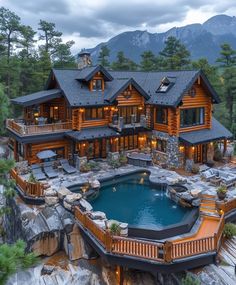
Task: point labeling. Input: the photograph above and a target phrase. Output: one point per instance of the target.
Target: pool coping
(176, 229)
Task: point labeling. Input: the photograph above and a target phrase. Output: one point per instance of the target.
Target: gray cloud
(104, 18)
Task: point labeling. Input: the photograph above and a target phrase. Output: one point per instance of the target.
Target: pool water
(132, 199)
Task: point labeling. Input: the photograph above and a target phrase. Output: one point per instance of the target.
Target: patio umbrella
(46, 154)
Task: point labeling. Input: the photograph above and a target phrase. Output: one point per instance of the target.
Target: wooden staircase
(208, 206)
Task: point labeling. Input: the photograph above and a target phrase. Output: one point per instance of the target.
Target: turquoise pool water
(132, 199)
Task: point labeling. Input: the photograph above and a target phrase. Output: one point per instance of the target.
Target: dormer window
(166, 84)
(97, 85)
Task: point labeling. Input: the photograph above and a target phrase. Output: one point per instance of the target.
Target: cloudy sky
(89, 22)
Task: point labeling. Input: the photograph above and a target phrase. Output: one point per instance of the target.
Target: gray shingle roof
(72, 83)
(217, 132)
(38, 97)
(92, 133)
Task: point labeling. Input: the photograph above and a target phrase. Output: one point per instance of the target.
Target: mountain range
(202, 40)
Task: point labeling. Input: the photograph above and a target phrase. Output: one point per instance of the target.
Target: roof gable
(87, 73)
(121, 84)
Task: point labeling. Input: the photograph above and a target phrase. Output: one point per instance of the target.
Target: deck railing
(161, 252)
(25, 130)
(226, 206)
(28, 188)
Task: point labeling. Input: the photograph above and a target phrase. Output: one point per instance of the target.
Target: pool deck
(197, 247)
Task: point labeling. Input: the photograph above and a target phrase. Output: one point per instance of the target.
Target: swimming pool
(134, 200)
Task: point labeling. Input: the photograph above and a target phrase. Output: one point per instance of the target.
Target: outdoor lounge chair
(227, 178)
(208, 174)
(67, 167)
(37, 172)
(49, 171)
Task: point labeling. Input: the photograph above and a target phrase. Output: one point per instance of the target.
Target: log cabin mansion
(92, 112)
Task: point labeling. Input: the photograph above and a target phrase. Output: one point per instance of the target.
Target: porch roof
(92, 133)
(37, 97)
(217, 132)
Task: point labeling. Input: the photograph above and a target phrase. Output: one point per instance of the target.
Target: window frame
(92, 114)
(161, 145)
(195, 116)
(96, 87)
(160, 112)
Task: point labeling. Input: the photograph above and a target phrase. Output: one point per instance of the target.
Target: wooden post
(16, 157)
(108, 241)
(225, 147)
(119, 275)
(167, 251)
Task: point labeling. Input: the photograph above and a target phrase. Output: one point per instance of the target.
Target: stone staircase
(208, 206)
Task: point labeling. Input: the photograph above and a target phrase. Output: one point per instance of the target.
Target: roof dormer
(166, 83)
(95, 77)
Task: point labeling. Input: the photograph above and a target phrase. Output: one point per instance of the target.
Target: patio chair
(37, 172)
(67, 167)
(208, 174)
(49, 171)
(227, 178)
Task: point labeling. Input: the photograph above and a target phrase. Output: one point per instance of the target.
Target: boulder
(67, 205)
(186, 196)
(50, 192)
(51, 200)
(195, 192)
(86, 205)
(72, 197)
(97, 215)
(196, 202)
(100, 223)
(47, 269)
(63, 191)
(94, 184)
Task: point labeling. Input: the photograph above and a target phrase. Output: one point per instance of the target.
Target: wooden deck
(28, 130)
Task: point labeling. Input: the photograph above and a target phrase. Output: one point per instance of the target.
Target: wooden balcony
(28, 130)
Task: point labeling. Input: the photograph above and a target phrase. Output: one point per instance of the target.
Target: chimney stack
(84, 59)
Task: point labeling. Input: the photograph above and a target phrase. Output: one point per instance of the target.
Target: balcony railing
(26, 130)
(130, 122)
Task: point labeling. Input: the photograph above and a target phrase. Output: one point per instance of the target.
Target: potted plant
(195, 169)
(221, 192)
(115, 229)
(123, 159)
(85, 167)
(32, 178)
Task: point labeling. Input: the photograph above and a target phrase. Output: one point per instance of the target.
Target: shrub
(85, 167)
(190, 280)
(115, 163)
(222, 189)
(32, 178)
(123, 159)
(93, 165)
(195, 169)
(115, 229)
(229, 230)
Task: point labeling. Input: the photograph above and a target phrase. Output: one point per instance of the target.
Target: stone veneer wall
(172, 157)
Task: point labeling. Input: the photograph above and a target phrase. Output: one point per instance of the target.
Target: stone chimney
(84, 59)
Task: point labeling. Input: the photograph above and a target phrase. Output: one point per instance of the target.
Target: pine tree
(123, 63)
(62, 57)
(227, 55)
(148, 62)
(175, 54)
(4, 110)
(49, 35)
(103, 56)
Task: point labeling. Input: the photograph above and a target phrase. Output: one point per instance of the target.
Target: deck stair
(208, 206)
